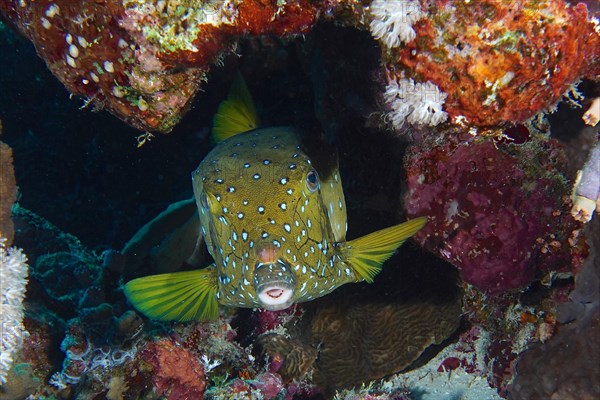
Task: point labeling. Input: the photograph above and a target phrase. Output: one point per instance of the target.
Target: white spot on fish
(283, 206)
(287, 228)
(240, 215)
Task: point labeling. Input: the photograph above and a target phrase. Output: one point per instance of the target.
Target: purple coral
(498, 212)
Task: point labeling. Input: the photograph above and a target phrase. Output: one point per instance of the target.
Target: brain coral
(346, 340)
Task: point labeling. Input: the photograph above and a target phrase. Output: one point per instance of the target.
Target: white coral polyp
(415, 103)
(392, 20)
(13, 279)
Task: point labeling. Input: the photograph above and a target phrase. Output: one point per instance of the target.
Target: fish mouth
(275, 285)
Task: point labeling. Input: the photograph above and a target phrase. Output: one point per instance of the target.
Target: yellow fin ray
(178, 296)
(236, 114)
(366, 254)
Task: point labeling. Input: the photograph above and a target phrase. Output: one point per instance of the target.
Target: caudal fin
(236, 114)
(366, 254)
(178, 296)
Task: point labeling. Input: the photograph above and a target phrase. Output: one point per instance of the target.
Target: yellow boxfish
(273, 216)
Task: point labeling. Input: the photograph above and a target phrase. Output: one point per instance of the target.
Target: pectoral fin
(366, 254)
(178, 296)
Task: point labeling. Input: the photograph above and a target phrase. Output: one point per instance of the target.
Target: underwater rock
(499, 212)
(571, 358)
(487, 63)
(571, 365)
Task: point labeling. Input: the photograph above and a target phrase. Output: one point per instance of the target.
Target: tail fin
(366, 254)
(179, 296)
(236, 114)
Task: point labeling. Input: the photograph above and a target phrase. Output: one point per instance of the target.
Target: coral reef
(496, 215)
(444, 62)
(488, 62)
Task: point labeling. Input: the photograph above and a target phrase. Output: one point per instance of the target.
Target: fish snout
(275, 285)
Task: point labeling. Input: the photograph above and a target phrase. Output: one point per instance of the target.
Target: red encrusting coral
(500, 62)
(176, 371)
(498, 212)
(145, 61)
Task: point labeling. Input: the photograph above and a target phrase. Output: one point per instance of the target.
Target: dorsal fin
(236, 114)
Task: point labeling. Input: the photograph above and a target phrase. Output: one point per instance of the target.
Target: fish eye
(312, 180)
